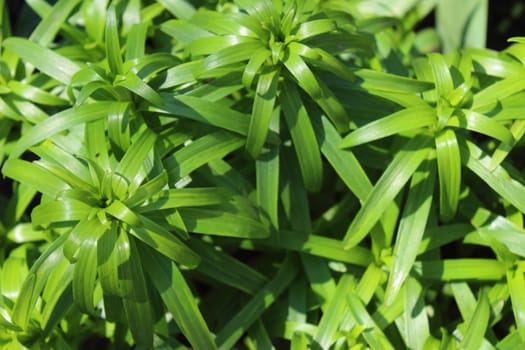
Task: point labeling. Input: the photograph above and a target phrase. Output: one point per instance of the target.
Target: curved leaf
(449, 170)
(60, 122)
(398, 122)
(386, 189)
(49, 62)
(303, 137)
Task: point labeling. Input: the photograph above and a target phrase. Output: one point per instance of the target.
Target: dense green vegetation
(303, 174)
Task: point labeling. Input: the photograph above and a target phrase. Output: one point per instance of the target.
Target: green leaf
(462, 269)
(462, 25)
(34, 176)
(477, 122)
(318, 92)
(184, 31)
(201, 110)
(232, 53)
(48, 28)
(516, 284)
(232, 331)
(254, 64)
(323, 59)
(137, 304)
(344, 163)
(186, 197)
(178, 8)
(223, 222)
(134, 84)
(85, 275)
(375, 81)
(506, 232)
(498, 179)
(477, 325)
(398, 122)
(112, 46)
(386, 189)
(323, 247)
(47, 61)
(262, 111)
(57, 159)
(57, 295)
(498, 91)
(112, 252)
(441, 74)
(24, 232)
(225, 269)
(60, 122)
(373, 335)
(60, 211)
(303, 137)
(315, 27)
(35, 282)
(337, 308)
(35, 94)
(160, 239)
(212, 146)
(133, 166)
(136, 41)
(267, 170)
(118, 131)
(411, 227)
(449, 171)
(178, 298)
(517, 130)
(94, 14)
(416, 325)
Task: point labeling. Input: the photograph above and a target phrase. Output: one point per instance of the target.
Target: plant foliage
(260, 173)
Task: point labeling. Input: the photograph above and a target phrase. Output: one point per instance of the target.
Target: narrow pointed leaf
(267, 170)
(303, 137)
(134, 84)
(412, 226)
(477, 325)
(386, 189)
(212, 146)
(224, 268)
(398, 122)
(177, 296)
(113, 54)
(163, 241)
(498, 179)
(223, 223)
(132, 165)
(85, 275)
(252, 310)
(262, 111)
(35, 176)
(48, 28)
(477, 122)
(449, 170)
(60, 211)
(516, 285)
(317, 91)
(60, 122)
(344, 163)
(47, 61)
(137, 306)
(330, 322)
(373, 335)
(186, 197)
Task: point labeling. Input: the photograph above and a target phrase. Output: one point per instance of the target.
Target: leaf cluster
(260, 173)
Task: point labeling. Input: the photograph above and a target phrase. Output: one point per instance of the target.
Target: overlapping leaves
(137, 110)
(276, 48)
